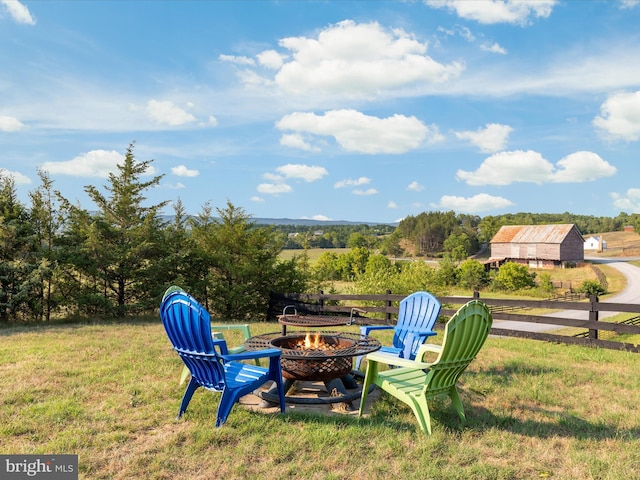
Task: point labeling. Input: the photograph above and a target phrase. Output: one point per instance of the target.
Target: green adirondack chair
(415, 381)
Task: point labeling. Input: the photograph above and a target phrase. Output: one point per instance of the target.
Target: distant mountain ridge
(305, 222)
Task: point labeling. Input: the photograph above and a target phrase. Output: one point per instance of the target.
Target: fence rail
(386, 307)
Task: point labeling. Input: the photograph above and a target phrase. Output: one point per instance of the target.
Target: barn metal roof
(534, 233)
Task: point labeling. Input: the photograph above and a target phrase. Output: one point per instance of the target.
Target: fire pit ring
(333, 360)
(331, 365)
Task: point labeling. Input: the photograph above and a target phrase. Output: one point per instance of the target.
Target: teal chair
(415, 381)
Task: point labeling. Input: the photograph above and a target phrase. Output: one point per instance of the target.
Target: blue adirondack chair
(417, 315)
(188, 326)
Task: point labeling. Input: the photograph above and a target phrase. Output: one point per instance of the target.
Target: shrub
(591, 287)
(513, 276)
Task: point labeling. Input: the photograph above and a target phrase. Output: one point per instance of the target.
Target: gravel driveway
(631, 294)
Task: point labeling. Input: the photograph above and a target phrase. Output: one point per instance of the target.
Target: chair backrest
(188, 326)
(464, 335)
(417, 313)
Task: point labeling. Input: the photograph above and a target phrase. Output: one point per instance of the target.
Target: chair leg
(280, 386)
(372, 371)
(275, 374)
(457, 403)
(421, 411)
(227, 401)
(188, 393)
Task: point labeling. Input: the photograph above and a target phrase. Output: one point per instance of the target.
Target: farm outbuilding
(595, 243)
(538, 246)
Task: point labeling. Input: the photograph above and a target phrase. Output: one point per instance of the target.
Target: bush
(471, 274)
(591, 287)
(513, 276)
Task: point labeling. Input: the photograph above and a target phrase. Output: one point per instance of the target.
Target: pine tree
(124, 238)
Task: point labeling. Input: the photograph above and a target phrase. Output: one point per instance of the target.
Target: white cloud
(96, 163)
(183, 171)
(277, 183)
(255, 198)
(272, 177)
(167, 113)
(359, 60)
(18, 178)
(490, 139)
(274, 188)
(321, 218)
(93, 164)
(176, 186)
(270, 59)
(352, 183)
(620, 116)
(392, 204)
(581, 167)
(629, 3)
(495, 48)
(213, 121)
(518, 12)
(249, 77)
(357, 132)
(365, 193)
(10, 124)
(18, 12)
(476, 204)
(237, 60)
(295, 140)
(304, 172)
(630, 202)
(415, 187)
(506, 168)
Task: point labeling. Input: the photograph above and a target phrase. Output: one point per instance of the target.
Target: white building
(593, 243)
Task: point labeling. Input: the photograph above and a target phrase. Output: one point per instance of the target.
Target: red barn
(538, 246)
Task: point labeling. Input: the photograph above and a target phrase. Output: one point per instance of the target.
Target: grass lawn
(109, 392)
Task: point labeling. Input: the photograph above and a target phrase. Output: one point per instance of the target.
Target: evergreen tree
(18, 266)
(244, 266)
(124, 240)
(46, 221)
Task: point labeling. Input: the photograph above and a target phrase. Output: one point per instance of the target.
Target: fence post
(476, 295)
(593, 316)
(388, 314)
(321, 303)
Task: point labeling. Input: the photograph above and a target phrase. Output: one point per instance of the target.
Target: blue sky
(356, 110)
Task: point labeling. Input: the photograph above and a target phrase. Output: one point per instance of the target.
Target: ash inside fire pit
(315, 356)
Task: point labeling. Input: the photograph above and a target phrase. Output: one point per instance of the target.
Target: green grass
(109, 392)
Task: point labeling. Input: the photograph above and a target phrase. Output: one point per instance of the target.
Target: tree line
(58, 259)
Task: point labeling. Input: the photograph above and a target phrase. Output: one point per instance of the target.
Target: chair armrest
(390, 359)
(364, 330)
(428, 347)
(244, 328)
(248, 355)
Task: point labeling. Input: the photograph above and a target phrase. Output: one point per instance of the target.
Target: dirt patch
(312, 390)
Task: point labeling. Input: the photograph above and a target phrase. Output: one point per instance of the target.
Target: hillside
(619, 244)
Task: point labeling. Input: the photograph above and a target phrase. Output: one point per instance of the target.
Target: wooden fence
(385, 308)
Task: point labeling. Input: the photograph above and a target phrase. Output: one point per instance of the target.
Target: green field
(109, 393)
